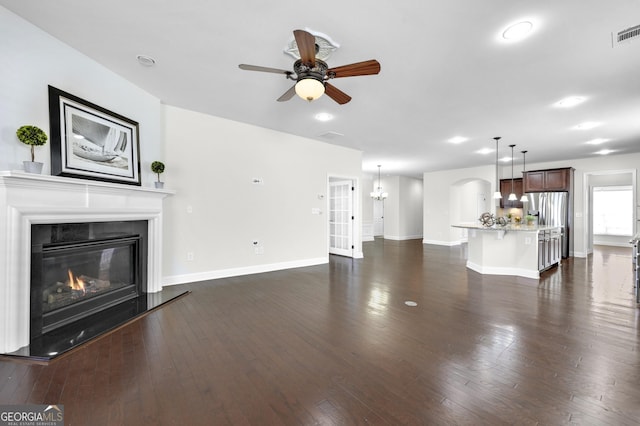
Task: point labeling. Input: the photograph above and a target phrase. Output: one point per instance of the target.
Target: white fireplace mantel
(27, 199)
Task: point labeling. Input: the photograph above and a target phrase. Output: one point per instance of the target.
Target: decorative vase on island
(32, 167)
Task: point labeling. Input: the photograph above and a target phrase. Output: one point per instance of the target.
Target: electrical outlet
(190, 256)
(527, 240)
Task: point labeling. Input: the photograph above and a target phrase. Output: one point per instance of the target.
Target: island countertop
(509, 227)
(521, 250)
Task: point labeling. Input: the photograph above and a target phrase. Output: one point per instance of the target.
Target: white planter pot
(159, 185)
(32, 167)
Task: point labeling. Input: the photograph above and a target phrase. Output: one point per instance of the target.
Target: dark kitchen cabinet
(548, 180)
(505, 190)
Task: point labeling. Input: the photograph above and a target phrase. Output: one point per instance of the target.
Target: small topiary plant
(32, 135)
(157, 167)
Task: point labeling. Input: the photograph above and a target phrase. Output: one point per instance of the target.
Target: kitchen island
(521, 250)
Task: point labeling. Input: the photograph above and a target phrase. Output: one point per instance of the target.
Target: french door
(341, 218)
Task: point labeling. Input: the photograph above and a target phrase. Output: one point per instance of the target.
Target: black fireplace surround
(81, 269)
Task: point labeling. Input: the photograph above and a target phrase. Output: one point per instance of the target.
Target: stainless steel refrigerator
(553, 209)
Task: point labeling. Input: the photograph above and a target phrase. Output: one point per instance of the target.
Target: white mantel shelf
(20, 177)
(27, 199)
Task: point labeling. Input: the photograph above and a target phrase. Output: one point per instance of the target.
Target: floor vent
(628, 35)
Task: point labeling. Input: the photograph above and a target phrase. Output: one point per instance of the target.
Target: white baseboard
(402, 238)
(612, 243)
(441, 243)
(368, 238)
(526, 273)
(234, 272)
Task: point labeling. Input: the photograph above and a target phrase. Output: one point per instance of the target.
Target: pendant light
(512, 196)
(524, 198)
(497, 195)
(378, 194)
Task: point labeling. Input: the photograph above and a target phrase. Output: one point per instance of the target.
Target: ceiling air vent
(331, 135)
(628, 35)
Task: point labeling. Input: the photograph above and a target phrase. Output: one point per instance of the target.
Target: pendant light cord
(497, 193)
(512, 168)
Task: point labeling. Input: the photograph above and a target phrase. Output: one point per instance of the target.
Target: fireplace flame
(75, 283)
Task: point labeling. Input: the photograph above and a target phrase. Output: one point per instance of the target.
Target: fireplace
(28, 199)
(79, 269)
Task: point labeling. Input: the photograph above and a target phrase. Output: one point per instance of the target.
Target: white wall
(367, 185)
(410, 208)
(31, 60)
(217, 211)
(437, 217)
(468, 200)
(391, 185)
(442, 191)
(402, 208)
(210, 162)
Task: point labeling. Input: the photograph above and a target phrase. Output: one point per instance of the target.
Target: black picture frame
(91, 142)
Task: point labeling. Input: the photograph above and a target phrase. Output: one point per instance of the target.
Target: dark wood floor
(336, 344)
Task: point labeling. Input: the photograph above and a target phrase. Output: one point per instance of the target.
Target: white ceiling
(445, 72)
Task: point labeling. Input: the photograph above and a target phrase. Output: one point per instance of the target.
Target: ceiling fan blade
(336, 94)
(264, 69)
(306, 46)
(288, 94)
(359, 68)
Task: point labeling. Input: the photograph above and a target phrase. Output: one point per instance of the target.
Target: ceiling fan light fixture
(309, 88)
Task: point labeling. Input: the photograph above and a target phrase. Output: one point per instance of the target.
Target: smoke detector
(626, 36)
(324, 46)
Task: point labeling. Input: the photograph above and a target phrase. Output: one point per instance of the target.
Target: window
(612, 210)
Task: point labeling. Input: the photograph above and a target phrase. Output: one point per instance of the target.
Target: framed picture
(90, 142)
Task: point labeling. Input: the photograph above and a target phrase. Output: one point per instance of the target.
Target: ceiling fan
(312, 75)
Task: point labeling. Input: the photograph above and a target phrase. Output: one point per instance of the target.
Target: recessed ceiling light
(604, 151)
(587, 125)
(457, 139)
(323, 116)
(597, 141)
(517, 31)
(569, 102)
(485, 151)
(145, 60)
